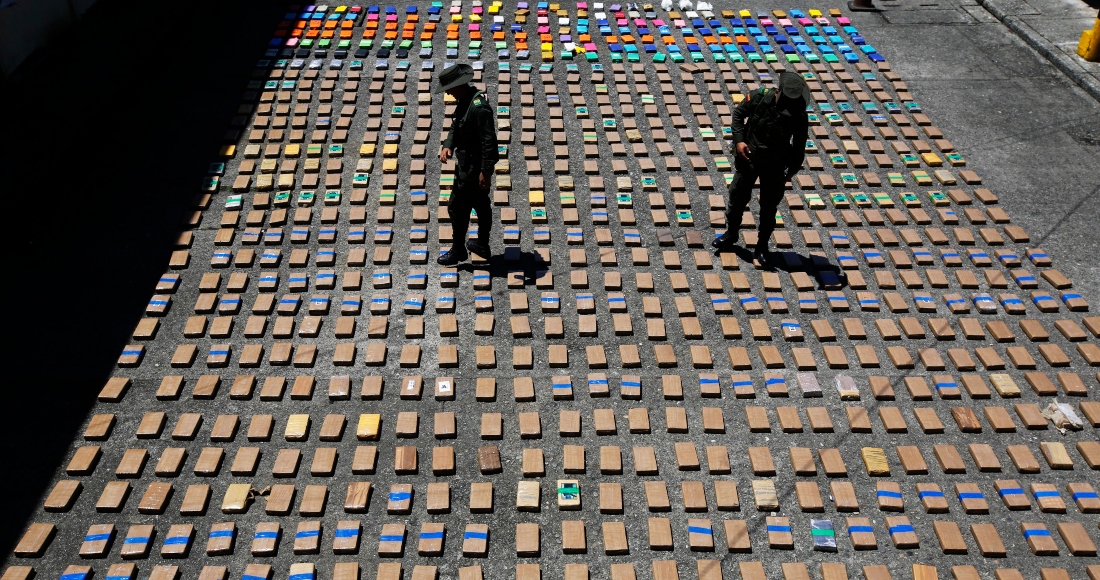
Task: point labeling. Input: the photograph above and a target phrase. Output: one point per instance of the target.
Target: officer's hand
(743, 150)
(484, 180)
(444, 155)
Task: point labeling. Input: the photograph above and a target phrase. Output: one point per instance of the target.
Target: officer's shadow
(829, 276)
(512, 260)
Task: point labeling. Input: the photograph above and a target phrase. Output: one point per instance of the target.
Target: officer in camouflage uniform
(473, 143)
(769, 136)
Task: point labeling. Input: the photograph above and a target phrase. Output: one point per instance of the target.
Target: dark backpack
(764, 123)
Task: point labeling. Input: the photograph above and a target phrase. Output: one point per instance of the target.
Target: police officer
(473, 143)
(769, 136)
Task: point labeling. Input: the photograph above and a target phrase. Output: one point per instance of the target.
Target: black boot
(480, 248)
(761, 255)
(453, 256)
(725, 241)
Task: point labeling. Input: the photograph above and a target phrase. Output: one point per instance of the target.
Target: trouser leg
(459, 209)
(771, 193)
(739, 194)
(484, 208)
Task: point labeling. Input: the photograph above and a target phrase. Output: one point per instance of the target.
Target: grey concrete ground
(1034, 135)
(1030, 133)
(1053, 28)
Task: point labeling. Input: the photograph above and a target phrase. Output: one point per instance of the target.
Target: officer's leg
(484, 208)
(771, 193)
(459, 209)
(739, 194)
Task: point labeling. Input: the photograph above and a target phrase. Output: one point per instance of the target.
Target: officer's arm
(487, 128)
(449, 142)
(740, 115)
(798, 145)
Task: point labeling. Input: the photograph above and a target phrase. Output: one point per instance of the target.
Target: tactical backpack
(764, 119)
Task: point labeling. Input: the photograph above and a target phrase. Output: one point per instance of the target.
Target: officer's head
(455, 80)
(794, 95)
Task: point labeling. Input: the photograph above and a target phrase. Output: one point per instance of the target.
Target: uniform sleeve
(798, 145)
(740, 115)
(486, 122)
(449, 142)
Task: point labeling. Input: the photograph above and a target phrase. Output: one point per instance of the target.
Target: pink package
(590, 46)
(785, 22)
(658, 22)
(543, 29)
(843, 21)
(474, 26)
(805, 21)
(582, 5)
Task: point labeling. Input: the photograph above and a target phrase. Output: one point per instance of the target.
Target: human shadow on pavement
(502, 265)
(828, 275)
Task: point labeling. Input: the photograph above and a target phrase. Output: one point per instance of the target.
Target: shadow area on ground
(107, 135)
(512, 260)
(826, 274)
